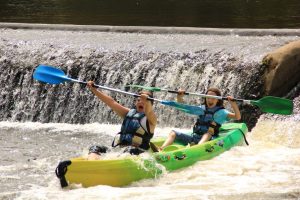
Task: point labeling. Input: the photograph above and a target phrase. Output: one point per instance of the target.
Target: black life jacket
(135, 131)
(206, 123)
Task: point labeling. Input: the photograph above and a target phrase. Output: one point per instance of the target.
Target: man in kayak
(207, 125)
(138, 124)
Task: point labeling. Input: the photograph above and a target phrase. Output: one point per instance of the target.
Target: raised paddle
(52, 75)
(267, 104)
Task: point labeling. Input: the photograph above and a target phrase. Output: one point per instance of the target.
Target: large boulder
(282, 69)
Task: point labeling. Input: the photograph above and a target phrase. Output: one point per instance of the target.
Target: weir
(190, 61)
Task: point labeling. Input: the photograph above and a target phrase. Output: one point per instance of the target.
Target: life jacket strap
(126, 137)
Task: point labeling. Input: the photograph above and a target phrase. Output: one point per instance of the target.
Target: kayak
(125, 170)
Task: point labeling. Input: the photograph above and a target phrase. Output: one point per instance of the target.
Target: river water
(38, 128)
(269, 168)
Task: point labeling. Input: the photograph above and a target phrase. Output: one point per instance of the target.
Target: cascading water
(42, 124)
(171, 61)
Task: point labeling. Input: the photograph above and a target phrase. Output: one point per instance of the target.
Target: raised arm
(236, 111)
(115, 106)
(151, 117)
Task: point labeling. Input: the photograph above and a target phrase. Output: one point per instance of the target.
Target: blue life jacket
(206, 123)
(135, 131)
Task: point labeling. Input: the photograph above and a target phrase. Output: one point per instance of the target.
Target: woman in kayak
(138, 124)
(207, 125)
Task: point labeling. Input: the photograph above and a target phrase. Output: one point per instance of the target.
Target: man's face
(140, 107)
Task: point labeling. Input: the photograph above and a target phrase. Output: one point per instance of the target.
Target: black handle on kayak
(180, 157)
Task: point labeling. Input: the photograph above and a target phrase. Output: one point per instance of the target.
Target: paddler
(138, 123)
(208, 124)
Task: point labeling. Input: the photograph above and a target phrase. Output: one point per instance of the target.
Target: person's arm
(180, 96)
(115, 106)
(236, 111)
(151, 117)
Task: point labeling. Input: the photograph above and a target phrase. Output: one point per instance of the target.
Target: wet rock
(282, 69)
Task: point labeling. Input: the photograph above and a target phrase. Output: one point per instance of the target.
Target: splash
(282, 130)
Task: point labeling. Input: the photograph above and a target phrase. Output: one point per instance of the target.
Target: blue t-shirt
(221, 116)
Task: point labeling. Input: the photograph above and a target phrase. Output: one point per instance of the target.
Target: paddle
(52, 75)
(267, 104)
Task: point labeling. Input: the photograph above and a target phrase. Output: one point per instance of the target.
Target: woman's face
(211, 102)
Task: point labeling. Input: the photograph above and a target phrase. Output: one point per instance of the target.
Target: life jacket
(135, 131)
(206, 123)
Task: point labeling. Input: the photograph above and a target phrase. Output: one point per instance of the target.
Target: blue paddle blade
(193, 110)
(51, 75)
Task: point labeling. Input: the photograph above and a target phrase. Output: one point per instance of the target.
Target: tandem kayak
(125, 170)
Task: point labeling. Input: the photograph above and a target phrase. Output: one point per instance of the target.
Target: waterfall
(120, 59)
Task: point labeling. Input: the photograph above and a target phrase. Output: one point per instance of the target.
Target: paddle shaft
(52, 75)
(276, 105)
(269, 104)
(206, 95)
(156, 89)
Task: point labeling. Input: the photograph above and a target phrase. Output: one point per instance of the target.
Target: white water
(269, 168)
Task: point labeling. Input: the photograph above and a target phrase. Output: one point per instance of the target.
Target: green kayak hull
(178, 156)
